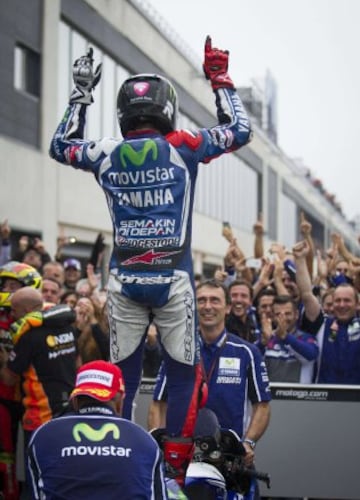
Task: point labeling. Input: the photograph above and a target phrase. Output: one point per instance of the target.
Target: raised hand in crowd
(258, 229)
(85, 313)
(281, 330)
(265, 278)
(266, 328)
(332, 255)
(232, 254)
(39, 245)
(338, 240)
(279, 250)
(320, 280)
(93, 342)
(306, 230)
(220, 275)
(322, 269)
(23, 243)
(61, 242)
(91, 277)
(305, 225)
(234, 262)
(303, 280)
(32, 251)
(278, 274)
(5, 230)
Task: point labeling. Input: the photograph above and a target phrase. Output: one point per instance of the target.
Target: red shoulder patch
(180, 137)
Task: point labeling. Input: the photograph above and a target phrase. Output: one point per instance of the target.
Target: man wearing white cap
(72, 272)
(92, 453)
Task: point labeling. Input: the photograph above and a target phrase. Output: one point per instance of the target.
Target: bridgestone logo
(96, 377)
(103, 451)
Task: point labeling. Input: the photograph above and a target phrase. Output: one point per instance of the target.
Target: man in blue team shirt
(93, 453)
(338, 335)
(290, 354)
(236, 375)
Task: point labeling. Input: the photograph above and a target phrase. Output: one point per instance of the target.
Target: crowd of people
(286, 320)
(301, 308)
(67, 344)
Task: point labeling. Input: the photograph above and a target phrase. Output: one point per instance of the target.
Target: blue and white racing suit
(149, 181)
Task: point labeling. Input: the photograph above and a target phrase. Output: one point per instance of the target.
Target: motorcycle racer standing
(149, 180)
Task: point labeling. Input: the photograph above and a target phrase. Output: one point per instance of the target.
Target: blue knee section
(180, 383)
(131, 368)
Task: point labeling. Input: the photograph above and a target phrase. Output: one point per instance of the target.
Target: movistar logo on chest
(83, 432)
(144, 187)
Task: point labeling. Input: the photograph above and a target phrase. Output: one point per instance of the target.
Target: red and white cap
(100, 380)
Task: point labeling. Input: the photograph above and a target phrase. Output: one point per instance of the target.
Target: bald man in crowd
(25, 300)
(43, 356)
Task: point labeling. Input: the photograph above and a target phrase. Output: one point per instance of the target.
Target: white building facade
(39, 197)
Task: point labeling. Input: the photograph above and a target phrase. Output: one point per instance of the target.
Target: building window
(27, 70)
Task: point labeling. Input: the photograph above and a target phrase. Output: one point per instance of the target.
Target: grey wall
(20, 22)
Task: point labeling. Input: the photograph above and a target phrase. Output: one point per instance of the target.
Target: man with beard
(242, 320)
(338, 334)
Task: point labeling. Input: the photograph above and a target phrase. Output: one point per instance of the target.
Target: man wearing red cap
(93, 453)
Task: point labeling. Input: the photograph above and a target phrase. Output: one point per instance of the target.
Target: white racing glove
(85, 79)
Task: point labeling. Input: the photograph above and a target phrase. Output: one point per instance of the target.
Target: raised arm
(306, 230)
(233, 130)
(258, 229)
(303, 280)
(343, 250)
(68, 145)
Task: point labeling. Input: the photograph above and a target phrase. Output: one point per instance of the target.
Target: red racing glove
(215, 66)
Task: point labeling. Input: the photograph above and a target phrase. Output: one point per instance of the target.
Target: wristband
(250, 442)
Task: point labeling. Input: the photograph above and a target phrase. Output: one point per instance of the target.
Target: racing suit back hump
(95, 456)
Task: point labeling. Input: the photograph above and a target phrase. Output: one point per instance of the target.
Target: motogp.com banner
(315, 392)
